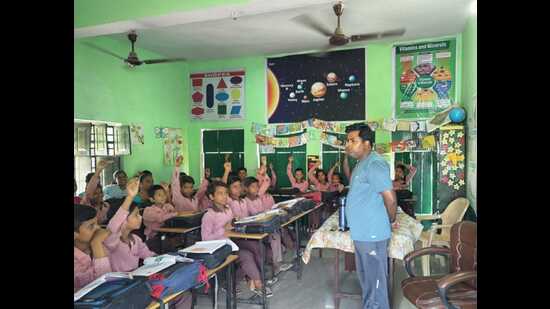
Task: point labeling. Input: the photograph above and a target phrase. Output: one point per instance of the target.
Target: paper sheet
(209, 246)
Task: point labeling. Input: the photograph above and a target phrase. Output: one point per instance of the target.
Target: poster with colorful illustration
(218, 95)
(425, 78)
(136, 134)
(327, 86)
(173, 145)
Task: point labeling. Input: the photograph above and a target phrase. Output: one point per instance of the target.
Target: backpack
(117, 294)
(211, 260)
(185, 221)
(269, 224)
(176, 278)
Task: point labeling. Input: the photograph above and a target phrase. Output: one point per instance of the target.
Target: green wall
(106, 89)
(96, 12)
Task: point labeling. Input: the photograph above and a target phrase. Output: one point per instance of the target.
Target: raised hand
(263, 160)
(165, 186)
(290, 158)
(179, 160)
(101, 165)
(227, 166)
(207, 173)
(271, 166)
(133, 187)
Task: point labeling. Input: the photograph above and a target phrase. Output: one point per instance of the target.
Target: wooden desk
(296, 220)
(230, 300)
(167, 230)
(260, 238)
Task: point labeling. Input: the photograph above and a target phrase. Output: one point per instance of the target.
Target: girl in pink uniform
(215, 224)
(297, 180)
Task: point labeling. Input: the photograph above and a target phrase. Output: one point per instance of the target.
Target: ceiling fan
(132, 60)
(338, 38)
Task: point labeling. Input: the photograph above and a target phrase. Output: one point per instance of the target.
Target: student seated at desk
(297, 180)
(125, 249)
(159, 212)
(90, 257)
(145, 183)
(257, 201)
(217, 221)
(182, 190)
(92, 181)
(118, 188)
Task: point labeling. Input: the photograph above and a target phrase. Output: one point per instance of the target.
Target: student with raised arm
(297, 180)
(93, 182)
(182, 190)
(91, 259)
(125, 248)
(318, 178)
(159, 212)
(402, 182)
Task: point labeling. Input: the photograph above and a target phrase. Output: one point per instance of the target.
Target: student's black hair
(213, 185)
(143, 175)
(232, 179)
(299, 169)
(83, 213)
(186, 179)
(117, 172)
(401, 166)
(89, 177)
(242, 169)
(250, 180)
(339, 176)
(319, 171)
(147, 172)
(154, 189)
(365, 132)
(182, 174)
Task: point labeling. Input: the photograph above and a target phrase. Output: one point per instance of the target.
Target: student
(92, 181)
(90, 257)
(102, 207)
(76, 199)
(125, 249)
(402, 182)
(145, 183)
(297, 180)
(182, 190)
(160, 211)
(318, 178)
(118, 189)
(242, 173)
(273, 176)
(217, 221)
(257, 201)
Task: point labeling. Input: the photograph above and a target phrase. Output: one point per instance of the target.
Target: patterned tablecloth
(404, 236)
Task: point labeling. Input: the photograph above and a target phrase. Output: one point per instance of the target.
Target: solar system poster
(328, 86)
(217, 95)
(424, 78)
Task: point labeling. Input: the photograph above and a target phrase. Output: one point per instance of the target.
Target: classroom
(275, 154)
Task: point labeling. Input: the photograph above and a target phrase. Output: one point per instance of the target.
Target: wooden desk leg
(234, 286)
(228, 285)
(299, 260)
(262, 273)
(337, 280)
(391, 271)
(193, 298)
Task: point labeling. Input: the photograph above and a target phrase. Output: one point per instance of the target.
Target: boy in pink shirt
(297, 180)
(217, 221)
(182, 190)
(125, 249)
(90, 257)
(155, 215)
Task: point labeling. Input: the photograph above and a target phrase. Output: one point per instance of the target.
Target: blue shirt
(366, 214)
(113, 191)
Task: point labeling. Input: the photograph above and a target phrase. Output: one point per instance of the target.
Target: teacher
(370, 209)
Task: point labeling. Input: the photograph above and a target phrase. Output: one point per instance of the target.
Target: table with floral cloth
(405, 232)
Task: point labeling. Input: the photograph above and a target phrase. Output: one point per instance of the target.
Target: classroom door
(219, 145)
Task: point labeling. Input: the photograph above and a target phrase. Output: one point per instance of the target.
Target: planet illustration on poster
(299, 87)
(318, 89)
(343, 95)
(331, 77)
(352, 78)
(292, 95)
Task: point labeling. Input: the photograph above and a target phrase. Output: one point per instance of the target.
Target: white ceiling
(265, 27)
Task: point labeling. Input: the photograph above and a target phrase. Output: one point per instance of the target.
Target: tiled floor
(315, 288)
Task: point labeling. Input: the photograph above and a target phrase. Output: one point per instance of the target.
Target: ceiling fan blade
(377, 35)
(313, 24)
(153, 61)
(103, 50)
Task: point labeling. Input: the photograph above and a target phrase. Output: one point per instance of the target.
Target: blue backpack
(177, 278)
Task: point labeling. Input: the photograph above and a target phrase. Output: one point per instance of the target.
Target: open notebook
(209, 246)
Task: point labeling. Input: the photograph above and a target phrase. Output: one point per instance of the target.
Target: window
(219, 145)
(279, 159)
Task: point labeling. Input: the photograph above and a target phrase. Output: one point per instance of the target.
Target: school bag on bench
(176, 278)
(258, 224)
(210, 259)
(185, 222)
(305, 204)
(117, 293)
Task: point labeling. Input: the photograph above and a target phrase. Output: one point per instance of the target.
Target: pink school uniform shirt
(302, 186)
(87, 269)
(318, 186)
(238, 207)
(122, 256)
(182, 203)
(214, 222)
(263, 201)
(154, 217)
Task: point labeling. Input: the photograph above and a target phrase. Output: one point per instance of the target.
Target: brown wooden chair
(459, 287)
(454, 213)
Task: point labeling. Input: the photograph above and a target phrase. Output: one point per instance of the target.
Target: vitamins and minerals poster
(425, 78)
(217, 95)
